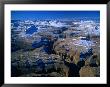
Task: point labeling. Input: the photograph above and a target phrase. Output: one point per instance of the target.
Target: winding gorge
(55, 48)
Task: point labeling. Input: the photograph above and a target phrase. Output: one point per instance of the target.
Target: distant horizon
(54, 15)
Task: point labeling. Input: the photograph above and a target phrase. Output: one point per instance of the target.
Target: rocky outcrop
(51, 49)
(91, 68)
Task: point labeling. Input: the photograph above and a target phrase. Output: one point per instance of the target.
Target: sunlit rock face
(51, 48)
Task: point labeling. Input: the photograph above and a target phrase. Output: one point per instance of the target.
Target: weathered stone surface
(87, 71)
(55, 48)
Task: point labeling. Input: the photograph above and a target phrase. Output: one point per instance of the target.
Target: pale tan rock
(87, 71)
